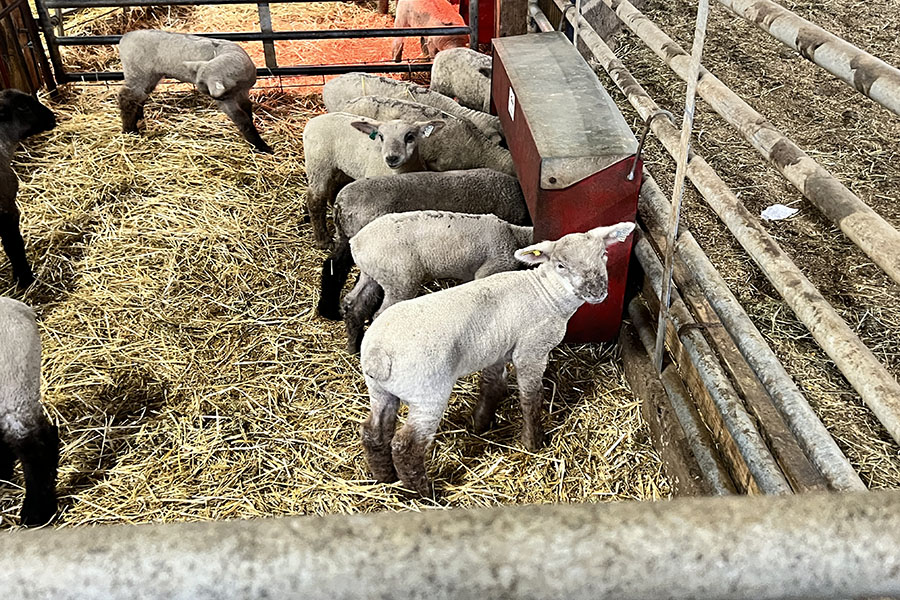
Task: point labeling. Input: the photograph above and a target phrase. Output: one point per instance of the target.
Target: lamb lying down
(399, 252)
(416, 350)
(218, 68)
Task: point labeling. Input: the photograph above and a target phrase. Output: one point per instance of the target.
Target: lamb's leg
(397, 48)
(14, 245)
(39, 455)
(493, 389)
(131, 103)
(489, 268)
(7, 461)
(359, 306)
(378, 431)
(411, 442)
(322, 188)
(334, 275)
(530, 374)
(397, 293)
(238, 110)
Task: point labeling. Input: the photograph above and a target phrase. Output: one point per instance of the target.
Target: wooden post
(510, 17)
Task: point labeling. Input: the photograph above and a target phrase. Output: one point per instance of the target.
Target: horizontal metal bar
(813, 546)
(336, 69)
(257, 36)
(130, 3)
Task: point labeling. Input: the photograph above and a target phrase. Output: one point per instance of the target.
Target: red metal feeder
(573, 151)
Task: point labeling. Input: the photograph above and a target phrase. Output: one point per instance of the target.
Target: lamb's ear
(428, 128)
(370, 129)
(613, 233)
(485, 71)
(536, 253)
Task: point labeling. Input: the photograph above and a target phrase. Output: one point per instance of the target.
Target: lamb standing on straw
(217, 68)
(25, 432)
(416, 350)
(21, 116)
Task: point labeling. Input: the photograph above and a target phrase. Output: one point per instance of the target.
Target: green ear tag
(373, 135)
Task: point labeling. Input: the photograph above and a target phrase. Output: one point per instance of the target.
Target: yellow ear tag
(536, 252)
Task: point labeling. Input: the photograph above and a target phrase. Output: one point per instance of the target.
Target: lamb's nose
(392, 161)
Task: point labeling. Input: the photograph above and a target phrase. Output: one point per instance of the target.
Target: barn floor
(185, 365)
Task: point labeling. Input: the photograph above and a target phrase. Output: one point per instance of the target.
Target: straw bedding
(185, 365)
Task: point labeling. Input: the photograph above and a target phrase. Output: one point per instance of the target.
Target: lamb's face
(398, 139)
(29, 116)
(579, 259)
(210, 81)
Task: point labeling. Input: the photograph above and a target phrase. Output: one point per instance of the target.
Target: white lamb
(25, 433)
(218, 68)
(416, 350)
(340, 90)
(463, 74)
(341, 147)
(399, 252)
(459, 145)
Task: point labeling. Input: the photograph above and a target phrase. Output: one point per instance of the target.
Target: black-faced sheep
(463, 74)
(25, 433)
(341, 148)
(218, 68)
(21, 116)
(416, 350)
(475, 191)
(459, 145)
(399, 252)
(340, 90)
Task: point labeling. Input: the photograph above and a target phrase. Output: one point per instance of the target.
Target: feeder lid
(576, 125)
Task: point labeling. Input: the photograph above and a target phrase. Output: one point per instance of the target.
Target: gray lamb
(397, 253)
(463, 74)
(459, 145)
(341, 147)
(218, 68)
(25, 433)
(476, 191)
(340, 90)
(416, 350)
(21, 116)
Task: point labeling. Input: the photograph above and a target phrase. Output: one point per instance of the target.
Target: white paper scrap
(777, 212)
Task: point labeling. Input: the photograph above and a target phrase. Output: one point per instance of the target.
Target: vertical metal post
(265, 25)
(678, 187)
(59, 71)
(37, 50)
(473, 24)
(60, 29)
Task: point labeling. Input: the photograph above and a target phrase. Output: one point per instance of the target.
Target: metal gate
(266, 35)
(23, 64)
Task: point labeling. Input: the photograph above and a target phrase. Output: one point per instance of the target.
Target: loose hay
(185, 366)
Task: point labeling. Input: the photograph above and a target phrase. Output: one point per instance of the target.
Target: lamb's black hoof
(38, 511)
(330, 312)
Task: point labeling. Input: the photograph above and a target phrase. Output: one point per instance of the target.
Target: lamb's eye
(410, 138)
(560, 267)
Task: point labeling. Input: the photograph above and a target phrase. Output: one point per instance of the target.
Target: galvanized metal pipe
(813, 546)
(697, 436)
(878, 389)
(803, 422)
(866, 228)
(684, 146)
(390, 67)
(740, 425)
(268, 36)
(473, 24)
(867, 74)
(540, 19)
